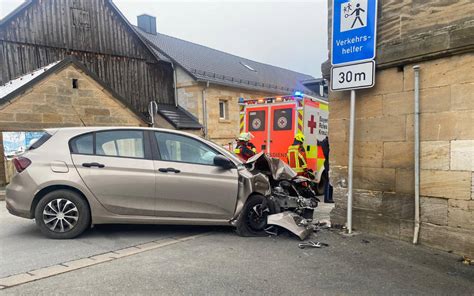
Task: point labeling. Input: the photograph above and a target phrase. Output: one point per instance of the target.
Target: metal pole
(416, 127)
(350, 162)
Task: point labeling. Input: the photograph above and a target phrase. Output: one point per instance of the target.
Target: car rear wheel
(62, 214)
(253, 219)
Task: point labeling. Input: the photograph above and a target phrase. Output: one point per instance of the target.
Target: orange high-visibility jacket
(297, 158)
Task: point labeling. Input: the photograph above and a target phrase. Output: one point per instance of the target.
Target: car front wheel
(62, 214)
(253, 219)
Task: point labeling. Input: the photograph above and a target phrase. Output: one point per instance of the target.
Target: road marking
(45, 272)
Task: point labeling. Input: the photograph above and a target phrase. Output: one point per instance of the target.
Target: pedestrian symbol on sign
(354, 15)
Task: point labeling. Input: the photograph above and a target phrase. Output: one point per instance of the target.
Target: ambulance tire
(253, 218)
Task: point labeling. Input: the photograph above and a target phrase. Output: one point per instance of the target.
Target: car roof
(85, 129)
(70, 132)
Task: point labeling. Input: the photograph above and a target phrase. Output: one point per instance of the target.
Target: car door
(117, 168)
(188, 184)
(282, 128)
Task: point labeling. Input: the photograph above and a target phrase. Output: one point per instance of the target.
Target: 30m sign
(353, 76)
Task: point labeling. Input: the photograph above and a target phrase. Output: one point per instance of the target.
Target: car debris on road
(311, 244)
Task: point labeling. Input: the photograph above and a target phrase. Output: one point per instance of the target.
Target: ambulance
(274, 122)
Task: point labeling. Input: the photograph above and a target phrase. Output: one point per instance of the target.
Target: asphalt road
(224, 264)
(24, 248)
(221, 263)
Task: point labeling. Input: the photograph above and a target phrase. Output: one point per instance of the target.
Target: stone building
(216, 80)
(439, 37)
(62, 94)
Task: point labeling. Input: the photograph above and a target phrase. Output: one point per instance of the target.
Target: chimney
(147, 23)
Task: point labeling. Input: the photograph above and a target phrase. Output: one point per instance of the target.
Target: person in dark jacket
(328, 190)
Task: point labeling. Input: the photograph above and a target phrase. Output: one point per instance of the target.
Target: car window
(120, 143)
(83, 144)
(37, 142)
(184, 149)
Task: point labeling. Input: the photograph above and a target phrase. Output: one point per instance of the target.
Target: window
(36, 143)
(283, 119)
(184, 149)
(83, 144)
(256, 121)
(223, 109)
(120, 143)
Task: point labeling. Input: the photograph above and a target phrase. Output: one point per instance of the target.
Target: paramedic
(297, 155)
(245, 149)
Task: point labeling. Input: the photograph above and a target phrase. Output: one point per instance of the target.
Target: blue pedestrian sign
(354, 31)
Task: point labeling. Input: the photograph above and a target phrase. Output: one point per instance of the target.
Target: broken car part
(292, 222)
(312, 244)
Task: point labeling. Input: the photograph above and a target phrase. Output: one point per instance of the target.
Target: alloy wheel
(257, 217)
(60, 215)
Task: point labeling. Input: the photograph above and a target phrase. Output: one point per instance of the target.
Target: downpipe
(416, 233)
(175, 88)
(204, 109)
(152, 110)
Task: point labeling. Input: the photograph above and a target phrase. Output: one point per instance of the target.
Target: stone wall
(384, 166)
(54, 103)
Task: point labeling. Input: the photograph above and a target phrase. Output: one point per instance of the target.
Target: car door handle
(92, 164)
(170, 170)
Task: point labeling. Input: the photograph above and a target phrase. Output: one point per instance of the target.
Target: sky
(288, 34)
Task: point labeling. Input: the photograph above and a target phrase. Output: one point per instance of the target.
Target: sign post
(353, 47)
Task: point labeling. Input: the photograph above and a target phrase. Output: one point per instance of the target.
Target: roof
(14, 85)
(207, 64)
(17, 86)
(178, 117)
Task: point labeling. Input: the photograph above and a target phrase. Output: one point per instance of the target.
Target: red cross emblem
(282, 122)
(312, 124)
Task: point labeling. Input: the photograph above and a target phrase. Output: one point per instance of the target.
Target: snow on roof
(15, 84)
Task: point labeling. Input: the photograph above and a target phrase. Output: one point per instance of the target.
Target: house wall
(437, 36)
(221, 131)
(54, 103)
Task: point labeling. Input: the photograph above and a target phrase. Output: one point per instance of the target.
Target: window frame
(225, 105)
(146, 144)
(156, 149)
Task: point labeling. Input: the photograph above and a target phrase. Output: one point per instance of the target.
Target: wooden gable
(94, 31)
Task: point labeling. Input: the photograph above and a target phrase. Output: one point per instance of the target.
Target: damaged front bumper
(292, 222)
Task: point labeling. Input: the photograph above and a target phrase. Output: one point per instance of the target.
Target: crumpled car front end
(289, 198)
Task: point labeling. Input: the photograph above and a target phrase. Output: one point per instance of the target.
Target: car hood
(278, 169)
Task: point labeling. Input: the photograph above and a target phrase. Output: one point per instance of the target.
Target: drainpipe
(416, 233)
(152, 110)
(175, 79)
(204, 109)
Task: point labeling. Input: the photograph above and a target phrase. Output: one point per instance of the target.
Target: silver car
(72, 178)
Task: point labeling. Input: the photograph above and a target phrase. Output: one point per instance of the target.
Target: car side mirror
(223, 162)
